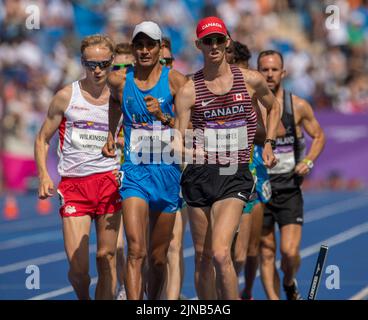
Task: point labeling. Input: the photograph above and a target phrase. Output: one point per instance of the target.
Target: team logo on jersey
(239, 96)
(70, 210)
(161, 100)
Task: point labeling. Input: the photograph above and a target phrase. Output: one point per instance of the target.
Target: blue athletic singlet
(144, 139)
(147, 170)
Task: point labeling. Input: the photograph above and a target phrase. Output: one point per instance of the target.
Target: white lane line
(30, 240)
(310, 216)
(29, 224)
(59, 292)
(361, 295)
(332, 241)
(22, 265)
(335, 208)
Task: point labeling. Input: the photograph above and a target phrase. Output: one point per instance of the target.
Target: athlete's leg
(161, 230)
(76, 241)
(242, 241)
(107, 230)
(291, 235)
(225, 218)
(175, 259)
(120, 256)
(252, 260)
(204, 275)
(135, 223)
(269, 275)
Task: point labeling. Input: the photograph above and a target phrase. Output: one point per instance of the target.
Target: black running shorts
(202, 185)
(285, 207)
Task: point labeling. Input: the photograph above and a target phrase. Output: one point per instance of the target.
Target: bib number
(229, 136)
(285, 160)
(89, 136)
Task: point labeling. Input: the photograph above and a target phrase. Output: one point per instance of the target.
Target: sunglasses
(149, 44)
(92, 65)
(213, 40)
(119, 66)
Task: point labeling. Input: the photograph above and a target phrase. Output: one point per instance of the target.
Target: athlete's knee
(221, 256)
(289, 252)
(158, 260)
(267, 251)
(105, 259)
(175, 247)
(137, 253)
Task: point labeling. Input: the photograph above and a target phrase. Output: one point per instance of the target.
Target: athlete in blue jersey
(150, 186)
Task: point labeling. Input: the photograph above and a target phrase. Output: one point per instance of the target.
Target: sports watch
(167, 121)
(309, 163)
(272, 142)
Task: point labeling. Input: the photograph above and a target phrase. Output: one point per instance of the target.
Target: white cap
(149, 28)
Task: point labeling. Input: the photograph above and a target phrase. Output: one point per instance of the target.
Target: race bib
(89, 136)
(149, 139)
(223, 136)
(285, 160)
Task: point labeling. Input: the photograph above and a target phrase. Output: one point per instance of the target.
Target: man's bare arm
(184, 101)
(260, 136)
(312, 127)
(52, 122)
(268, 100)
(115, 82)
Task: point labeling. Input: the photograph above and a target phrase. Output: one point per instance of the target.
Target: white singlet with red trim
(82, 134)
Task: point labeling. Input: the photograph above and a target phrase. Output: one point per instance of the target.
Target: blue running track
(338, 219)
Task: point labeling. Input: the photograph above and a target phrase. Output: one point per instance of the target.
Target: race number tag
(285, 160)
(89, 136)
(148, 138)
(223, 136)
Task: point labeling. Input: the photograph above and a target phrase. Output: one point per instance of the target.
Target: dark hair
(166, 42)
(269, 53)
(123, 48)
(241, 52)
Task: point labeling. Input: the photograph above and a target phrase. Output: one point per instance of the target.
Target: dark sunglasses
(149, 44)
(92, 65)
(213, 40)
(119, 66)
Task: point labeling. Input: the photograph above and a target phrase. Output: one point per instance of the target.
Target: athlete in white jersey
(88, 189)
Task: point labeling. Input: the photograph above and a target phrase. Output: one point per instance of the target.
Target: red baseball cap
(210, 25)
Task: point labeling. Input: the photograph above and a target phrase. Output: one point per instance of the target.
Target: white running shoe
(121, 295)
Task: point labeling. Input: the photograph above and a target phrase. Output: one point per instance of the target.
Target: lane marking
(361, 295)
(54, 257)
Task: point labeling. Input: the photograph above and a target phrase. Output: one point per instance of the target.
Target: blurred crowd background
(326, 67)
